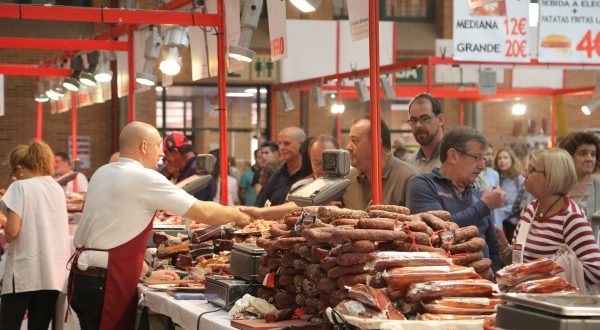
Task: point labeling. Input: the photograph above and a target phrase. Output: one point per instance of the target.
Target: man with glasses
(451, 187)
(426, 120)
(426, 123)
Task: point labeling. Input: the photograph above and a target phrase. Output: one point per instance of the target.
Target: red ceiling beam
(105, 15)
(33, 70)
(61, 44)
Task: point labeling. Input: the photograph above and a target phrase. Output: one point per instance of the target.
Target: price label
(590, 44)
(495, 31)
(569, 32)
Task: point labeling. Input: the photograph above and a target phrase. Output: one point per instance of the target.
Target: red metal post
(461, 113)
(222, 57)
(553, 121)
(38, 126)
(74, 98)
(131, 73)
(376, 151)
(273, 115)
(429, 74)
(338, 85)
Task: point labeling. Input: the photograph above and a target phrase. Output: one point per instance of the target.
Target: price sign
(569, 31)
(494, 31)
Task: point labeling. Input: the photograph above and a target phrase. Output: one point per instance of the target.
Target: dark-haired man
(180, 155)
(395, 173)
(62, 168)
(426, 123)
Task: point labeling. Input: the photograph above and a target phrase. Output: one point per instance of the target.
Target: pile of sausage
(538, 276)
(382, 262)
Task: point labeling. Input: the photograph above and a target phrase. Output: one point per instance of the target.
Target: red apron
(124, 269)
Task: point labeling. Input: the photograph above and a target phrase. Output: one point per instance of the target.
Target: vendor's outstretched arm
(272, 212)
(212, 213)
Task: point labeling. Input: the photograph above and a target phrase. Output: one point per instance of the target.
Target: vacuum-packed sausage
(437, 289)
(344, 235)
(389, 208)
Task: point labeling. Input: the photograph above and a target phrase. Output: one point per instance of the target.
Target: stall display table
(184, 312)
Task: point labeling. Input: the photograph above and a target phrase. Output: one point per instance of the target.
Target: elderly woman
(38, 235)
(584, 148)
(552, 218)
(511, 181)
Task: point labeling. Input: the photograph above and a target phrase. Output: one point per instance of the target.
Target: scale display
(336, 164)
(570, 305)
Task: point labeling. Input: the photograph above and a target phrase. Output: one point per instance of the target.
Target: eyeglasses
(531, 169)
(477, 158)
(424, 119)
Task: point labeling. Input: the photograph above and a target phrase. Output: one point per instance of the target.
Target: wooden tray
(262, 324)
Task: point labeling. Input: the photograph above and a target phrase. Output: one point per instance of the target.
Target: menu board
(491, 30)
(569, 31)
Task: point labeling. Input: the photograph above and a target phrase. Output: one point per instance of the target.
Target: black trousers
(40, 304)
(87, 300)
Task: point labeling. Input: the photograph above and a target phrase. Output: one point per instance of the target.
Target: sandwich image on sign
(556, 41)
(487, 7)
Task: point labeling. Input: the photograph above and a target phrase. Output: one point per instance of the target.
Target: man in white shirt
(116, 222)
(62, 168)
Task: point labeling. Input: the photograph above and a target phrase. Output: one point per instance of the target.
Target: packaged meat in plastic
(356, 309)
(390, 259)
(459, 288)
(400, 278)
(545, 285)
(517, 273)
(462, 306)
(368, 296)
(445, 317)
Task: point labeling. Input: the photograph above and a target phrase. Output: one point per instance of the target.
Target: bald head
(295, 133)
(140, 141)
(134, 133)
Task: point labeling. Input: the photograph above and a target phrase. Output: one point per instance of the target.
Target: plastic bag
(517, 273)
(390, 259)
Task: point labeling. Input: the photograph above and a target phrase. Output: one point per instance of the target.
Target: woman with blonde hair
(553, 220)
(511, 181)
(38, 236)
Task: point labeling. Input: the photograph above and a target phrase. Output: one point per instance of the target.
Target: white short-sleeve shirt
(121, 200)
(37, 258)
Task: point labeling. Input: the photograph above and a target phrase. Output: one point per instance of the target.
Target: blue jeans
(87, 300)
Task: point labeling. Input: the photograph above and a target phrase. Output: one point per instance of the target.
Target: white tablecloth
(184, 312)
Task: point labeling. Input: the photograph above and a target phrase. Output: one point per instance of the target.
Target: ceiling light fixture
(388, 90)
(250, 14)
(86, 77)
(337, 108)
(318, 97)
(590, 107)
(175, 38)
(151, 54)
(306, 6)
(288, 104)
(103, 72)
(41, 96)
(362, 91)
(519, 109)
(239, 94)
(72, 83)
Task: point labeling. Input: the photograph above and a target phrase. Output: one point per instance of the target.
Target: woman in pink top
(552, 218)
